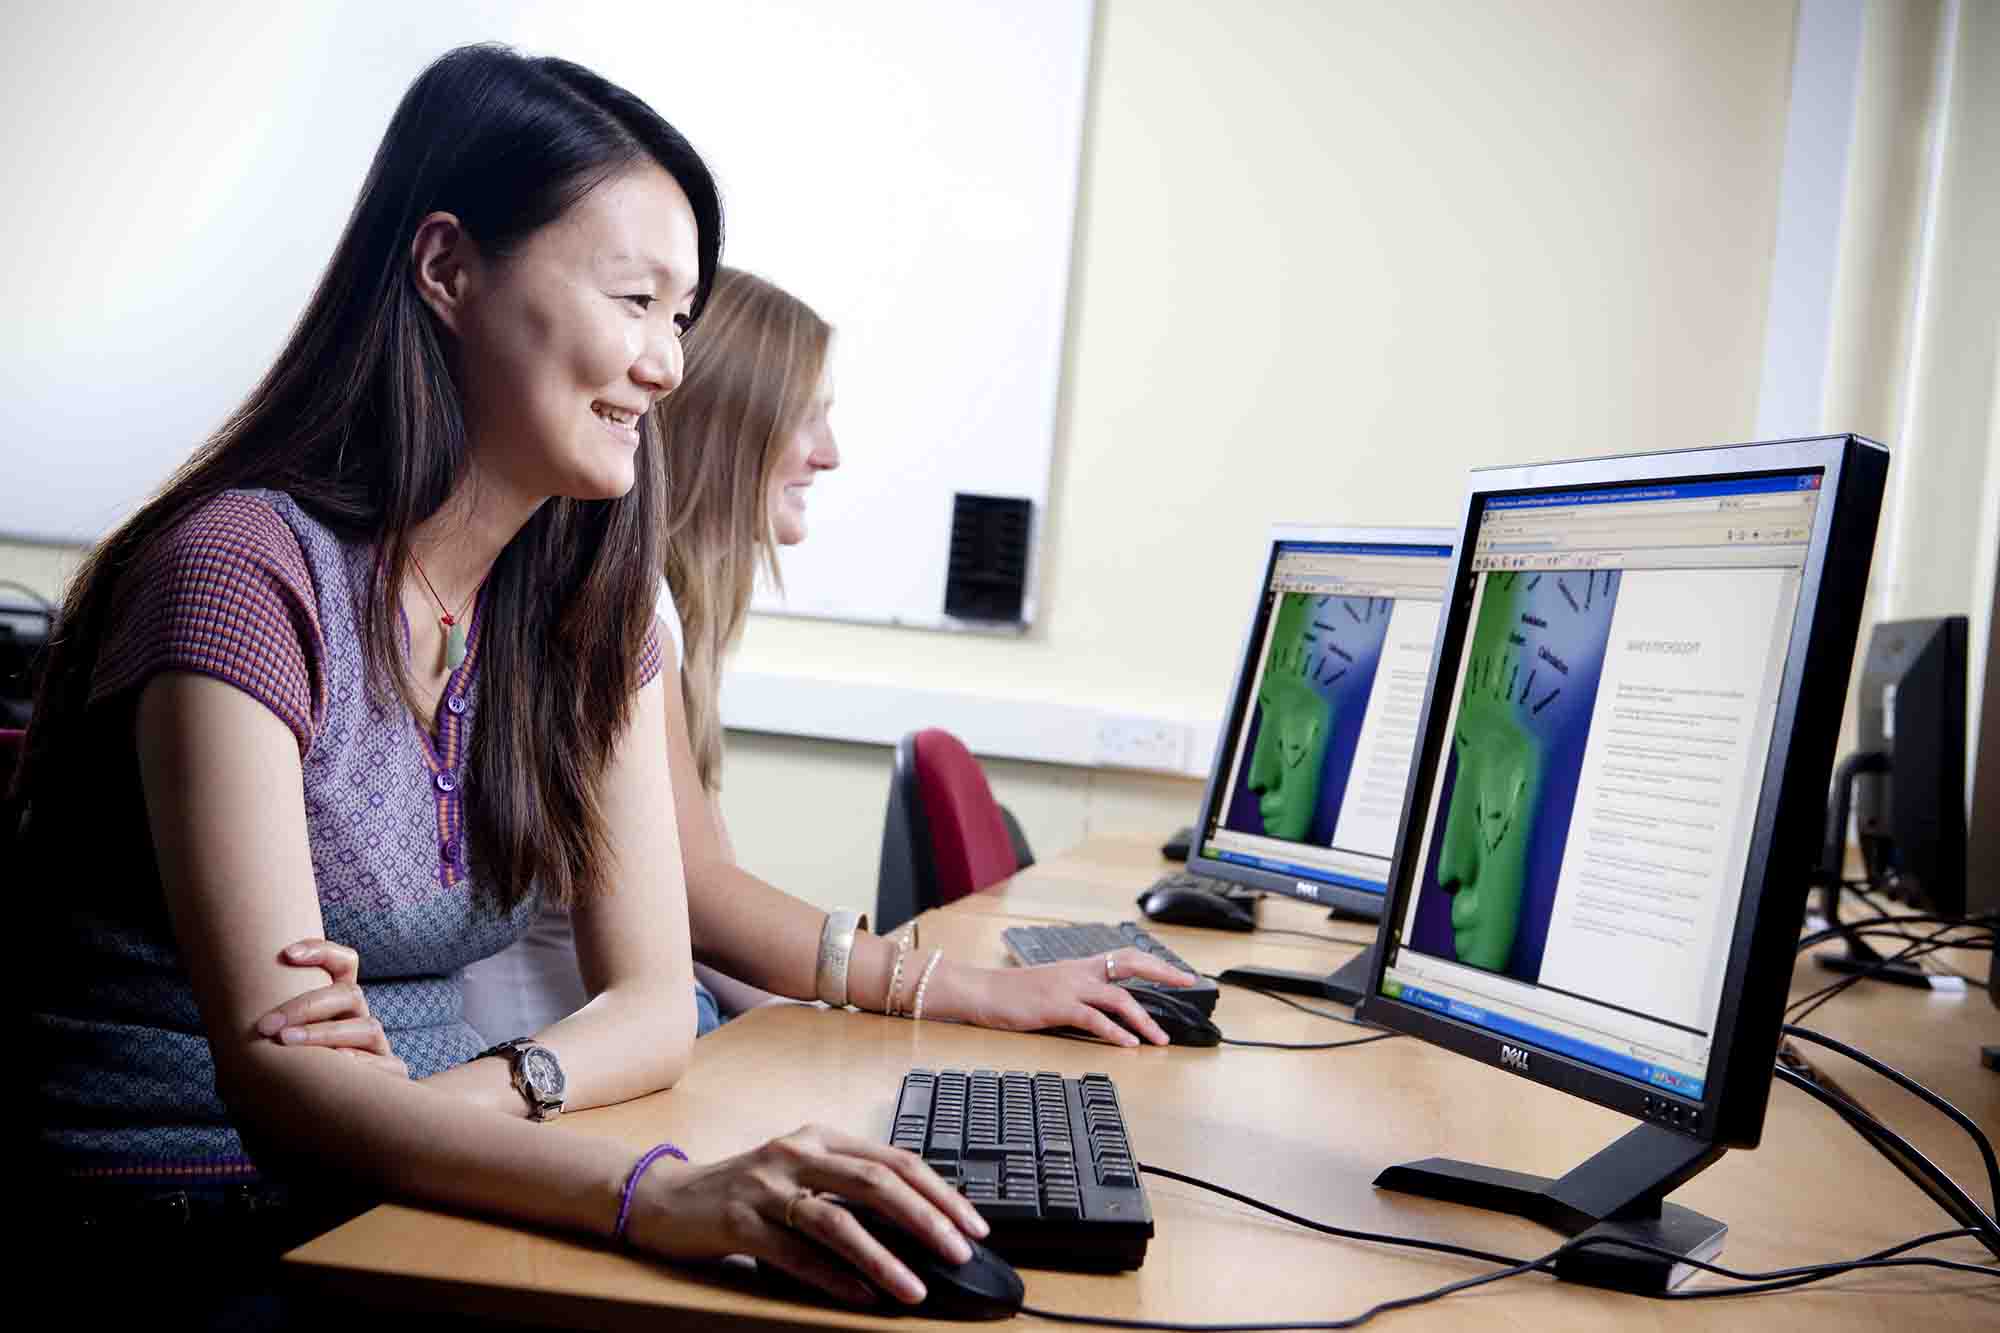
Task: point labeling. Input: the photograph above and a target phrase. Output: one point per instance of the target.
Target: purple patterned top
(251, 590)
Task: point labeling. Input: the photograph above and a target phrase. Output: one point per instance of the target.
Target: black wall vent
(989, 558)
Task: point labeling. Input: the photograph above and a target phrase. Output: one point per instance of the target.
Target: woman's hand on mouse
(1077, 993)
(766, 1203)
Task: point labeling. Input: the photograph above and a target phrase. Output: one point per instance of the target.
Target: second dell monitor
(1308, 780)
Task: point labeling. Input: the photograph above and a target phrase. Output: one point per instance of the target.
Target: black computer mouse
(1184, 1024)
(1174, 906)
(983, 1287)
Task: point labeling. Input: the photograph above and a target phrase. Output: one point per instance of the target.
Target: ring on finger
(1110, 967)
(800, 1197)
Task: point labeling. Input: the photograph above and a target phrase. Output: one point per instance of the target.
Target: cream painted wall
(1329, 257)
(1332, 255)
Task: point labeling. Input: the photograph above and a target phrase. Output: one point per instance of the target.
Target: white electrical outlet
(1139, 742)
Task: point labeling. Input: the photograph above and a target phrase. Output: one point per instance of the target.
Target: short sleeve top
(252, 590)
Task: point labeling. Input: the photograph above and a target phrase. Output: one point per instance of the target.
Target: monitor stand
(1618, 1194)
(1860, 957)
(1346, 984)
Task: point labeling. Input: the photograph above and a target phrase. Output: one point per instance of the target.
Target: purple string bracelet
(632, 1183)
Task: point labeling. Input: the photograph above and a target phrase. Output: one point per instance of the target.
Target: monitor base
(1346, 984)
(1618, 1194)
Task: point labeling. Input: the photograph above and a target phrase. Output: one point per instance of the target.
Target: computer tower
(1911, 817)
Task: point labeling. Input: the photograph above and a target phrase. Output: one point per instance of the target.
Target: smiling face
(565, 343)
(808, 450)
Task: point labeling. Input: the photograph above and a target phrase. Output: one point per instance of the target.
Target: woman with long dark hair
(745, 436)
(379, 666)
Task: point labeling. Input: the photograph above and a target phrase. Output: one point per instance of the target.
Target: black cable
(1309, 1045)
(1910, 1085)
(1776, 1280)
(1345, 1233)
(1779, 1279)
(1905, 1157)
(1980, 941)
(1983, 921)
(1921, 948)
(1352, 1321)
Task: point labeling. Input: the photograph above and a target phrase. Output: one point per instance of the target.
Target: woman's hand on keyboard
(335, 1015)
(765, 1203)
(1075, 993)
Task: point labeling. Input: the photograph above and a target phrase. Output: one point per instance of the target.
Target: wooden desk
(1304, 1130)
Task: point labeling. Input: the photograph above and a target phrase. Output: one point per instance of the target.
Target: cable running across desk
(1774, 1280)
(1919, 948)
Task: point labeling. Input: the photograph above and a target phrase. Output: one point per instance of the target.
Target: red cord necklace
(454, 632)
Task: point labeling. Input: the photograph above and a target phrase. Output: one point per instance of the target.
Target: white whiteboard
(176, 176)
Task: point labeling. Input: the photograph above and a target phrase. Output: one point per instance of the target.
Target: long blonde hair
(753, 367)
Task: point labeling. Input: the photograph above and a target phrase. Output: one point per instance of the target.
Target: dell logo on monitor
(1513, 1057)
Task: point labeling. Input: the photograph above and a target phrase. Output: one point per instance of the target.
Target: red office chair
(945, 835)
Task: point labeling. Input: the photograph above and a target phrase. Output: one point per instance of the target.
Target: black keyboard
(1031, 945)
(1045, 1159)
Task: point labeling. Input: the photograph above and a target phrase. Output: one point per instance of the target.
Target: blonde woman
(746, 435)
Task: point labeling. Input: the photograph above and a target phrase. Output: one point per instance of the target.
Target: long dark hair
(360, 421)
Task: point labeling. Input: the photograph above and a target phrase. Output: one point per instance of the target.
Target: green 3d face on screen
(1297, 720)
(1534, 631)
(1484, 858)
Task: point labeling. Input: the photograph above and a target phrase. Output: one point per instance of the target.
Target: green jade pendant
(454, 644)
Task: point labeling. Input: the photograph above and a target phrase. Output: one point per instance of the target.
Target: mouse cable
(1907, 1158)
(1345, 1233)
(1916, 1089)
(1282, 998)
(1352, 1321)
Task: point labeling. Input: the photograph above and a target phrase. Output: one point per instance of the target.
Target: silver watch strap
(836, 949)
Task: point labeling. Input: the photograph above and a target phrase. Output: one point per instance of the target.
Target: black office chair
(944, 835)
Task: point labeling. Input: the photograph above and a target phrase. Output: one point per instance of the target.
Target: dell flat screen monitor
(1309, 775)
(1619, 791)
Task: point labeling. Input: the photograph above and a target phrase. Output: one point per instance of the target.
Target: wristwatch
(537, 1075)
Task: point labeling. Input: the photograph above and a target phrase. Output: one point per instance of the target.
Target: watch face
(542, 1073)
